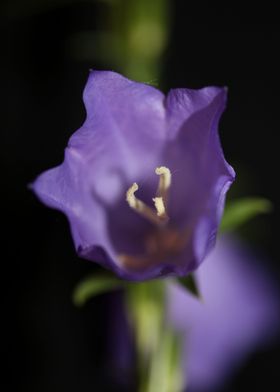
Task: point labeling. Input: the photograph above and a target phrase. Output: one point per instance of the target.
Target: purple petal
(201, 176)
(237, 313)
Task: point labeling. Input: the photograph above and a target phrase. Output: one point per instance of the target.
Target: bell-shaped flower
(144, 179)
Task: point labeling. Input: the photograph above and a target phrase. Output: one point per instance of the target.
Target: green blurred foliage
(190, 284)
(93, 285)
(240, 211)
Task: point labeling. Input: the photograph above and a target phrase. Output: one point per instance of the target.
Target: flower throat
(164, 241)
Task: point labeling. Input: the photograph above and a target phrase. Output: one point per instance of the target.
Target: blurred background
(47, 49)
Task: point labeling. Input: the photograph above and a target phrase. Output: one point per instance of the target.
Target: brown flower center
(160, 245)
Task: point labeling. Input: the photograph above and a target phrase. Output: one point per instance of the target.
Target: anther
(160, 207)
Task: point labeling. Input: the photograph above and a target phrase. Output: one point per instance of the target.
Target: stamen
(159, 217)
(160, 207)
(141, 207)
(164, 182)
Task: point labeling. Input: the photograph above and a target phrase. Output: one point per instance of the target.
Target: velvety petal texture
(131, 129)
(238, 312)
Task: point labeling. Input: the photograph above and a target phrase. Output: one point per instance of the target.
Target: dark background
(49, 344)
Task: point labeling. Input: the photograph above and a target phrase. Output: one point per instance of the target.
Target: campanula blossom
(237, 314)
(144, 179)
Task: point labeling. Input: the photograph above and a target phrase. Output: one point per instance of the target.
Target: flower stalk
(157, 345)
(140, 29)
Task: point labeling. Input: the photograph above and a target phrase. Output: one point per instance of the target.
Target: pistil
(164, 183)
(158, 216)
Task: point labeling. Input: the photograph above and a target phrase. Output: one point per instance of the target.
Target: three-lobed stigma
(158, 215)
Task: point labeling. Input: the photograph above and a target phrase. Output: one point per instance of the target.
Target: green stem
(158, 348)
(145, 305)
(140, 31)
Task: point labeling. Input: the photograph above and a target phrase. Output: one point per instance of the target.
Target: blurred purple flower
(131, 131)
(238, 312)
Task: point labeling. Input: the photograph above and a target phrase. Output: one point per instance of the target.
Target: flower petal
(130, 113)
(201, 176)
(238, 312)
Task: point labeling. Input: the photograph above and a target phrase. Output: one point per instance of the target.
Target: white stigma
(164, 182)
(130, 197)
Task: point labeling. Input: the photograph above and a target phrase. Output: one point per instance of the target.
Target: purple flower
(167, 147)
(238, 311)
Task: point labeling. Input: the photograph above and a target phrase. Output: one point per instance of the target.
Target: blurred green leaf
(242, 210)
(94, 285)
(189, 283)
